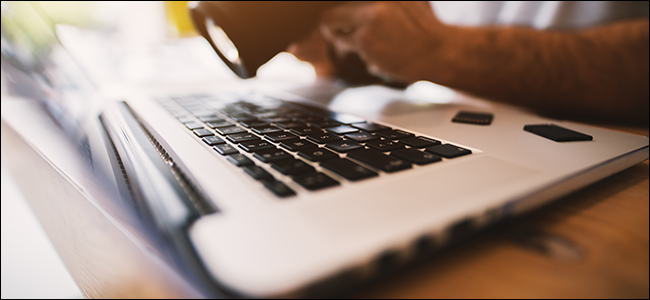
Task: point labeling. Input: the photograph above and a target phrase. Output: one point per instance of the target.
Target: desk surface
(591, 244)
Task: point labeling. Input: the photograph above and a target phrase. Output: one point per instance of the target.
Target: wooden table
(591, 244)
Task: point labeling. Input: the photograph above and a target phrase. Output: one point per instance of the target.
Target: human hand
(313, 49)
(393, 38)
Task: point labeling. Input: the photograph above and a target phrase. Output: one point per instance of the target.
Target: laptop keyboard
(258, 133)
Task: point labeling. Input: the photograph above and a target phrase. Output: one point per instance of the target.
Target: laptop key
(317, 154)
(278, 119)
(213, 140)
(211, 118)
(419, 142)
(278, 188)
(242, 137)
(370, 127)
(220, 124)
(379, 160)
(269, 155)
(254, 123)
(448, 151)
(230, 130)
(225, 149)
(257, 172)
(202, 132)
(416, 156)
(266, 129)
(305, 130)
(292, 166)
(343, 129)
(315, 181)
(361, 136)
(385, 145)
(343, 146)
(289, 125)
(279, 136)
(325, 123)
(297, 144)
(239, 159)
(255, 145)
(348, 169)
(193, 125)
(393, 134)
(323, 137)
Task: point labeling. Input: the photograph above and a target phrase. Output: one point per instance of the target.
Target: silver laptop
(260, 192)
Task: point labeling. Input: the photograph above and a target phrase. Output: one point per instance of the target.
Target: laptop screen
(36, 65)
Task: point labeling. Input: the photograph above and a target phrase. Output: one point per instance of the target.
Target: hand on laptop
(596, 72)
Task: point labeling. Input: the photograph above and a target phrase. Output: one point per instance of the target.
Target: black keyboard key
(292, 166)
(305, 130)
(255, 145)
(202, 132)
(277, 137)
(393, 134)
(211, 118)
(379, 160)
(289, 125)
(257, 172)
(448, 151)
(310, 118)
(297, 144)
(348, 169)
(323, 137)
(278, 119)
(361, 136)
(194, 125)
(416, 156)
(343, 129)
(557, 133)
(230, 130)
(254, 123)
(325, 123)
(385, 145)
(242, 117)
(279, 188)
(219, 124)
(213, 140)
(225, 149)
(266, 129)
(419, 142)
(370, 127)
(242, 137)
(343, 146)
(239, 159)
(315, 181)
(317, 154)
(269, 155)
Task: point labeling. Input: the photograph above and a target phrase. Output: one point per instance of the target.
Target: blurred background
(142, 43)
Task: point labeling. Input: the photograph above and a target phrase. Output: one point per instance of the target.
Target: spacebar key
(347, 169)
(379, 160)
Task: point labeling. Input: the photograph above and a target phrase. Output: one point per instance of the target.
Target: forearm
(601, 72)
